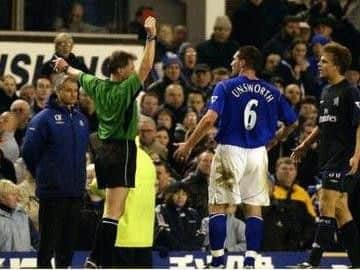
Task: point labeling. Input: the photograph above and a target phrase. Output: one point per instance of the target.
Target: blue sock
(217, 235)
(254, 235)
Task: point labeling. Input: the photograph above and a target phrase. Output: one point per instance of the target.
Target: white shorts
(239, 175)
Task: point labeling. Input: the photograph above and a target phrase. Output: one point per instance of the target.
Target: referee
(115, 154)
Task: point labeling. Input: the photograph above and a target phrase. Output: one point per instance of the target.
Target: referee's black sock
(350, 236)
(109, 228)
(323, 237)
(103, 248)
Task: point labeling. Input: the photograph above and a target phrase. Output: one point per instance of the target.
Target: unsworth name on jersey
(248, 111)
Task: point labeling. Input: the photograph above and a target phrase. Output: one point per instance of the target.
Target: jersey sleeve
(132, 84)
(218, 98)
(286, 112)
(355, 104)
(88, 82)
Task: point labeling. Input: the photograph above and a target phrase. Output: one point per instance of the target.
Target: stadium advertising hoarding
(24, 59)
(188, 260)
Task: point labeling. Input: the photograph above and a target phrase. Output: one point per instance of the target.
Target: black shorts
(339, 181)
(115, 162)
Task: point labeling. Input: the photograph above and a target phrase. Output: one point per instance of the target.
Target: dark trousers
(58, 222)
(126, 257)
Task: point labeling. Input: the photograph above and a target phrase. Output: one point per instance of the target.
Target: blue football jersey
(248, 111)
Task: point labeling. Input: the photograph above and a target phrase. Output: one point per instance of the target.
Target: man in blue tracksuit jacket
(54, 151)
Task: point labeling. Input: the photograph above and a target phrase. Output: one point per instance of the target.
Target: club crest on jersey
(81, 123)
(58, 117)
(214, 98)
(336, 101)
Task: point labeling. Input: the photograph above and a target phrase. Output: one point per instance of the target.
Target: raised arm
(149, 51)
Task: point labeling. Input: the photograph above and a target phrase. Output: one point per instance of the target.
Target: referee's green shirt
(111, 101)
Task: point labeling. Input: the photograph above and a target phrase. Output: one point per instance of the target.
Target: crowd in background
(290, 34)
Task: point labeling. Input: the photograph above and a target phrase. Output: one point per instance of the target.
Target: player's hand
(354, 164)
(183, 152)
(59, 64)
(150, 26)
(298, 152)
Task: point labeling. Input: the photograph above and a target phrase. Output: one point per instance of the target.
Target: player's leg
(226, 169)
(217, 233)
(254, 194)
(348, 230)
(253, 232)
(326, 226)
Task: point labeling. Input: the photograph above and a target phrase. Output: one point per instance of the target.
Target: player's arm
(300, 150)
(354, 161)
(202, 128)
(149, 52)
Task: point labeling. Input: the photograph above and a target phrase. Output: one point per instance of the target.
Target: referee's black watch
(151, 38)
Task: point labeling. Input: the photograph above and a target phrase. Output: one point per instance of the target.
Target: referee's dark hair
(341, 56)
(119, 59)
(252, 56)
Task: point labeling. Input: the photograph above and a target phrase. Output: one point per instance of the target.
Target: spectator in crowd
(165, 118)
(135, 235)
(116, 134)
(163, 136)
(174, 101)
(271, 67)
(164, 180)
(64, 44)
(7, 92)
(317, 43)
(186, 127)
(286, 187)
(218, 51)
(15, 226)
(147, 139)
(177, 225)
(8, 144)
(280, 42)
(247, 30)
(87, 107)
(219, 74)
(172, 74)
(7, 169)
(196, 101)
(137, 26)
(27, 93)
(201, 80)
(43, 90)
(353, 76)
(197, 183)
(54, 151)
(180, 36)
(22, 111)
(149, 104)
(164, 42)
(188, 57)
(75, 21)
(293, 94)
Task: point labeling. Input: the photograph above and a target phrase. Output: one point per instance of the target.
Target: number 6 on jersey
(250, 114)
